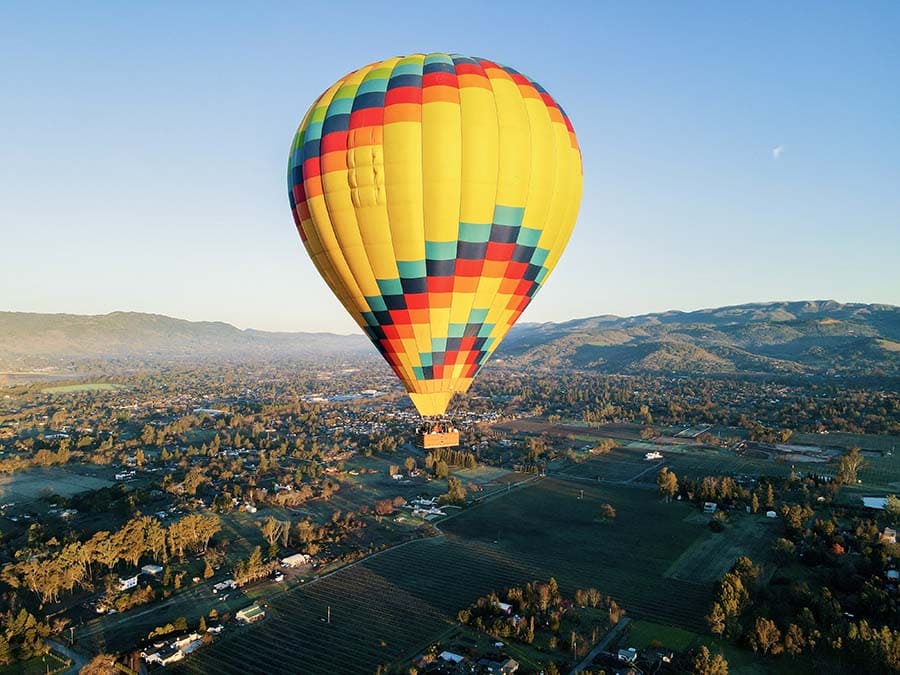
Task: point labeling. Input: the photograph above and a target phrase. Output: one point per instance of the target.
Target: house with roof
(251, 614)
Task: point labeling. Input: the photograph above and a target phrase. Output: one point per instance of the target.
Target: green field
(709, 557)
(623, 464)
(31, 484)
(620, 464)
(486, 475)
(81, 388)
(391, 605)
(641, 634)
(842, 439)
(699, 462)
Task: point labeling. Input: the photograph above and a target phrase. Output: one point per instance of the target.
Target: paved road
(600, 646)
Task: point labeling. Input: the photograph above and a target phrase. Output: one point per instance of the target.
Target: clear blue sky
(143, 149)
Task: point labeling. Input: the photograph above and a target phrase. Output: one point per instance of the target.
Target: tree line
(60, 567)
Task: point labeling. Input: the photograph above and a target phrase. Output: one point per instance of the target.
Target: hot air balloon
(435, 194)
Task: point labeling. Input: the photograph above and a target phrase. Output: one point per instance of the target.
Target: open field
(18, 378)
(628, 463)
(576, 430)
(486, 475)
(709, 557)
(81, 388)
(620, 464)
(842, 439)
(697, 462)
(881, 470)
(641, 633)
(31, 484)
(388, 606)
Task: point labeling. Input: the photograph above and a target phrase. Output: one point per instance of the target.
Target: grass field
(709, 557)
(31, 484)
(628, 463)
(81, 388)
(486, 475)
(845, 440)
(641, 633)
(619, 464)
(391, 605)
(698, 462)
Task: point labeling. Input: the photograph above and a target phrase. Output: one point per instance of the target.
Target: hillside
(46, 339)
(817, 337)
(821, 337)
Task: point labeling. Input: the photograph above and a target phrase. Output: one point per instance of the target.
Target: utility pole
(329, 613)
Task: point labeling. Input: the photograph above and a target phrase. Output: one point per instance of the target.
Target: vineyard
(394, 604)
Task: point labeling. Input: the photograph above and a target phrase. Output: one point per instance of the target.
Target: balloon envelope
(435, 194)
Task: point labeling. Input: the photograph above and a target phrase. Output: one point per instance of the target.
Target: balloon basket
(437, 434)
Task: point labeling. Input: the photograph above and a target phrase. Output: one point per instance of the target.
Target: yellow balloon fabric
(435, 194)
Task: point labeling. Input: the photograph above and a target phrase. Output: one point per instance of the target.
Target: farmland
(416, 589)
(710, 556)
(81, 388)
(880, 470)
(32, 484)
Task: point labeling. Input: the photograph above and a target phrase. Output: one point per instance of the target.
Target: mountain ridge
(817, 337)
(797, 337)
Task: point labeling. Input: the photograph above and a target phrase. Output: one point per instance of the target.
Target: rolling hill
(46, 339)
(816, 337)
(813, 338)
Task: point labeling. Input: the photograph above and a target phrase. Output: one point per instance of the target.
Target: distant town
(203, 518)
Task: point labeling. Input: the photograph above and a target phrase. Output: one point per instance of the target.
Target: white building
(296, 560)
(251, 614)
(130, 582)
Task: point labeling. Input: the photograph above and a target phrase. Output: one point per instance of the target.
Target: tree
(848, 466)
(441, 470)
(409, 464)
(784, 550)
(384, 507)
(717, 619)
(706, 663)
(607, 512)
(102, 664)
(892, 507)
(456, 493)
(765, 636)
(5, 651)
(795, 516)
(667, 482)
(201, 627)
(794, 641)
(754, 503)
(271, 529)
(208, 570)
